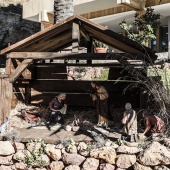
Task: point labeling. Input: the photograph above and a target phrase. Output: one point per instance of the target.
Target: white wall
(36, 10)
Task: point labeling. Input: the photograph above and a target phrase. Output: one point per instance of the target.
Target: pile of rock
(84, 73)
(76, 156)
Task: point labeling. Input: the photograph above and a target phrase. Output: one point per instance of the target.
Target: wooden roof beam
(19, 70)
(76, 56)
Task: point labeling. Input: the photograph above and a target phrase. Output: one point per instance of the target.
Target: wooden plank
(8, 66)
(26, 74)
(85, 34)
(75, 37)
(77, 92)
(110, 64)
(75, 56)
(1, 105)
(50, 42)
(150, 3)
(73, 86)
(53, 30)
(3, 76)
(20, 69)
(46, 72)
(5, 98)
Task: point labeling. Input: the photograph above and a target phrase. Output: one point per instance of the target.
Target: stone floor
(58, 133)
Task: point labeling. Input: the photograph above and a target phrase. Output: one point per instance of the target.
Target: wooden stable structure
(34, 75)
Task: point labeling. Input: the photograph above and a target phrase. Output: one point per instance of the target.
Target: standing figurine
(100, 98)
(129, 121)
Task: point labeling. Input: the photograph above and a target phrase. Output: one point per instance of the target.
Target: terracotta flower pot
(100, 50)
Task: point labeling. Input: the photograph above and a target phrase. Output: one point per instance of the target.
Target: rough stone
(20, 165)
(84, 153)
(52, 152)
(68, 128)
(154, 154)
(90, 164)
(45, 159)
(56, 165)
(3, 167)
(106, 153)
(5, 160)
(106, 166)
(138, 166)
(128, 150)
(161, 168)
(166, 142)
(108, 143)
(72, 167)
(72, 159)
(82, 146)
(6, 148)
(21, 154)
(73, 149)
(19, 146)
(125, 161)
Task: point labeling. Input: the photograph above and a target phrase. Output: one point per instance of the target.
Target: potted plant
(99, 47)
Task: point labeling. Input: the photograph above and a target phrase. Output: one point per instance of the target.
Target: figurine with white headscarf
(129, 120)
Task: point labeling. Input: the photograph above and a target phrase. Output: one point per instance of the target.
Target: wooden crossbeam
(19, 70)
(110, 64)
(77, 56)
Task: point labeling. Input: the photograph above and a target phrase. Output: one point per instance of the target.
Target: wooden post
(8, 66)
(158, 40)
(75, 38)
(89, 50)
(5, 98)
(27, 94)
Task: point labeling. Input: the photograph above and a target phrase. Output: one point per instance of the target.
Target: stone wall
(13, 27)
(6, 3)
(71, 155)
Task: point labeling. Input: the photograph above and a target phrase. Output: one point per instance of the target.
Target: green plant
(120, 142)
(104, 75)
(97, 43)
(34, 158)
(144, 27)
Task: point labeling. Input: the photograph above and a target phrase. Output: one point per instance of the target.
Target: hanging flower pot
(100, 50)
